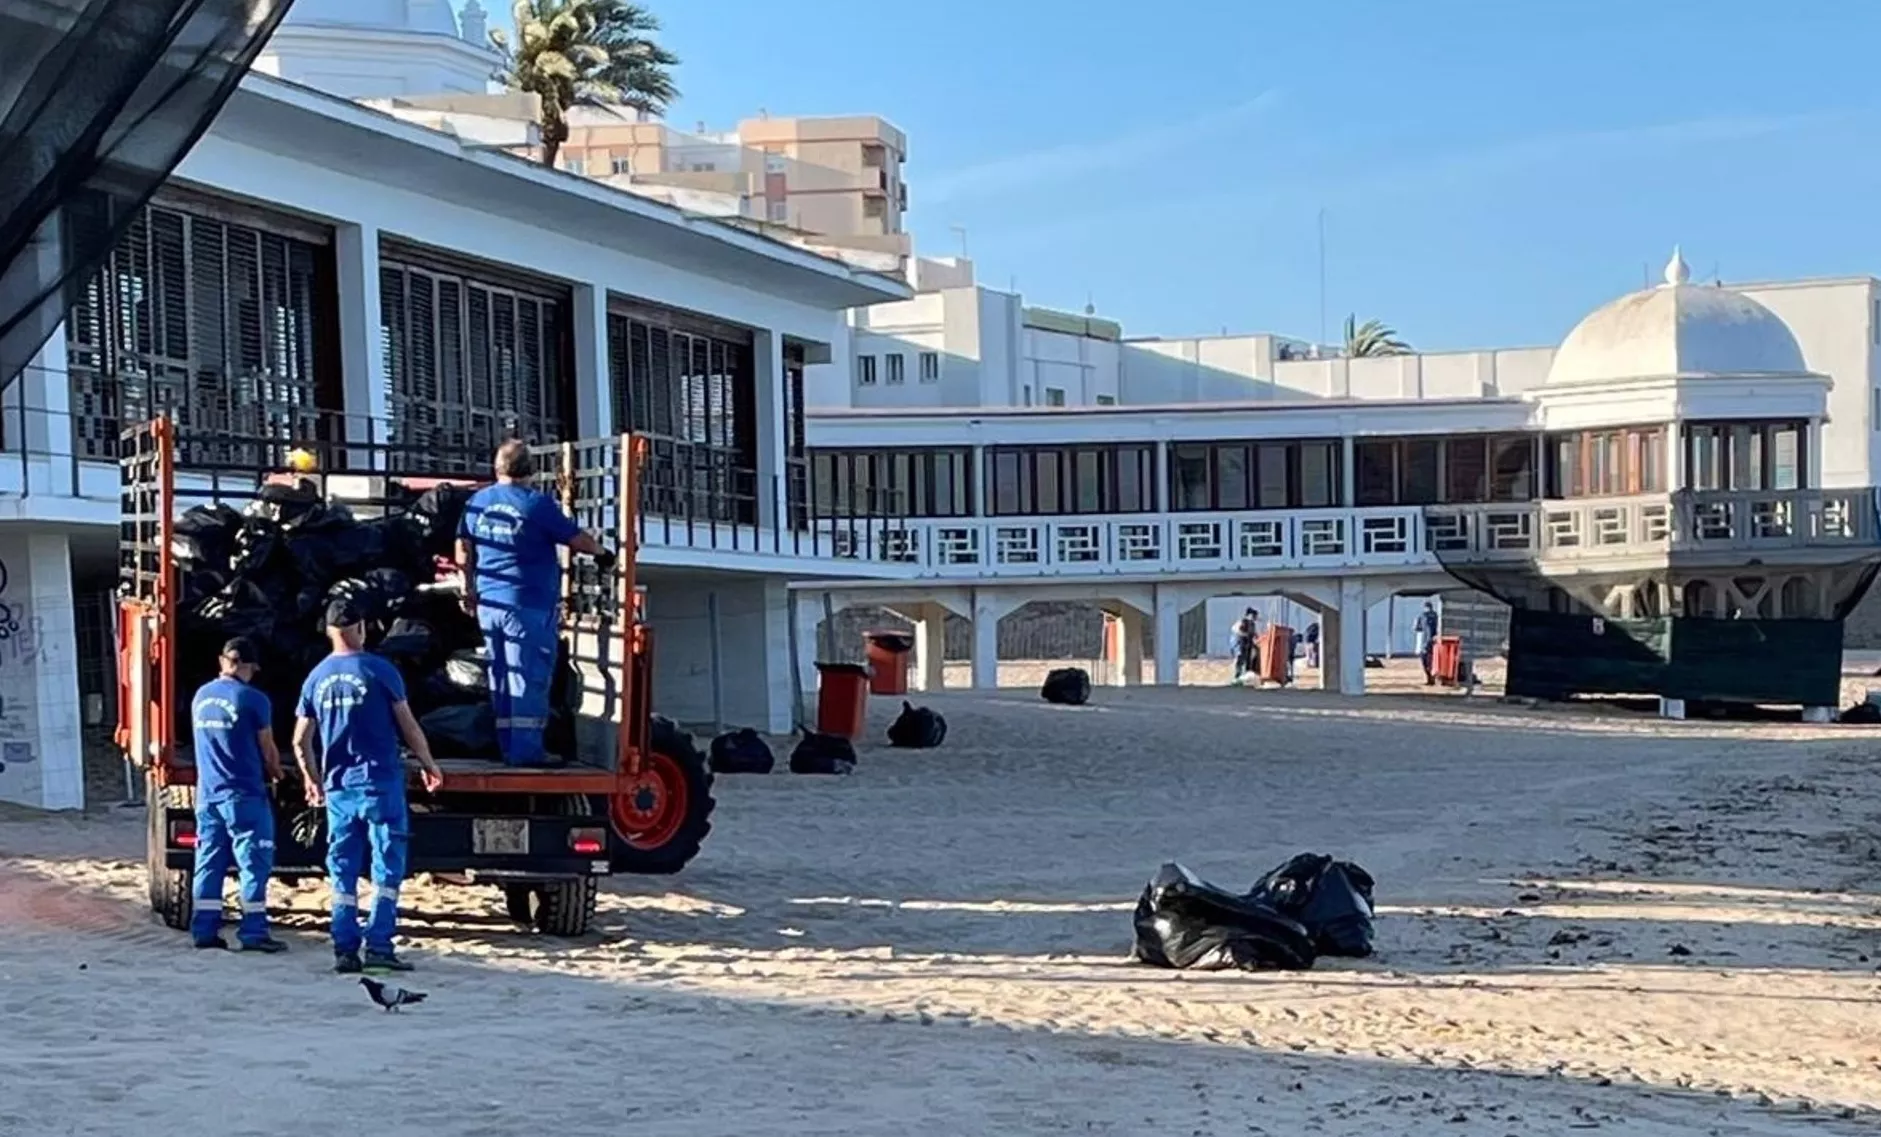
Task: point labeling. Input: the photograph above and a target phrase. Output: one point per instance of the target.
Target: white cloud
(1073, 160)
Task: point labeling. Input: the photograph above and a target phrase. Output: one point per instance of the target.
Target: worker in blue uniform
(506, 545)
(236, 762)
(354, 704)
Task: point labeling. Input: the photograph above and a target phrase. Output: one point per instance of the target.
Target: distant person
(1247, 651)
(236, 763)
(506, 545)
(1312, 645)
(355, 703)
(1425, 631)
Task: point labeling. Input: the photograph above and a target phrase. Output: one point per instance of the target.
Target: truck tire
(563, 907)
(172, 895)
(660, 824)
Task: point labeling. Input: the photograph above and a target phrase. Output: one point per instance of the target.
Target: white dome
(1678, 328)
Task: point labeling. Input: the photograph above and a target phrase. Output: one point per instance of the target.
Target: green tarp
(1785, 662)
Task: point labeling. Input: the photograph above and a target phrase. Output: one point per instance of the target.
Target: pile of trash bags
(1067, 686)
(1313, 905)
(268, 571)
(917, 728)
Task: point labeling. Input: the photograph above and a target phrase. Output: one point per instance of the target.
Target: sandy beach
(1589, 922)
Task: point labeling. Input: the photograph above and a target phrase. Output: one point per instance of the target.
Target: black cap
(343, 613)
(241, 649)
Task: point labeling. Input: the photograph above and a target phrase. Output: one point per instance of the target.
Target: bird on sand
(393, 999)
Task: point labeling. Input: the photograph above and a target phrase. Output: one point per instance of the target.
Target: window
(1319, 474)
(930, 367)
(575, 164)
(874, 208)
(907, 483)
(1597, 463)
(1106, 400)
(1746, 456)
(777, 211)
(1377, 469)
(1190, 481)
(873, 155)
(897, 367)
(1054, 396)
(865, 371)
(1072, 480)
(1265, 475)
(620, 165)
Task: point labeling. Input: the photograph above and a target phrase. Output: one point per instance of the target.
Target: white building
(361, 49)
(315, 261)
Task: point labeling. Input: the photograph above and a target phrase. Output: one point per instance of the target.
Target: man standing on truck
(355, 702)
(506, 546)
(236, 762)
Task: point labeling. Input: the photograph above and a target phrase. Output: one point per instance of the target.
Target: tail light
(587, 842)
(183, 834)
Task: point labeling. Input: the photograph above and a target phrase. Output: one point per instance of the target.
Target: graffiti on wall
(19, 674)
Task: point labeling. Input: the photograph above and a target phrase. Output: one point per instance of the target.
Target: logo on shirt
(499, 522)
(341, 692)
(215, 713)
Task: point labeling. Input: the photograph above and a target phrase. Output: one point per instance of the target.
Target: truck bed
(475, 775)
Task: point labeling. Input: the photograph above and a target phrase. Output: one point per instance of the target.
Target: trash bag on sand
(1331, 899)
(1068, 686)
(917, 728)
(1185, 923)
(741, 751)
(467, 730)
(823, 754)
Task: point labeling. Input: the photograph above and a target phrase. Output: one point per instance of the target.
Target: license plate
(499, 835)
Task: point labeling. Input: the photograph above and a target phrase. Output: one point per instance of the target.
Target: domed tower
(1681, 485)
(362, 49)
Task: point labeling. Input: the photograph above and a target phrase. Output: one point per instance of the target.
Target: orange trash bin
(1276, 646)
(842, 699)
(889, 656)
(1446, 659)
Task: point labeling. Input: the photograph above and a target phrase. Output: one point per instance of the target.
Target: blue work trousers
(522, 665)
(362, 819)
(238, 830)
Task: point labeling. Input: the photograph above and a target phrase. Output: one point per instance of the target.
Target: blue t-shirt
(350, 698)
(228, 717)
(515, 531)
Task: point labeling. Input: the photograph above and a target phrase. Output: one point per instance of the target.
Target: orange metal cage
(147, 618)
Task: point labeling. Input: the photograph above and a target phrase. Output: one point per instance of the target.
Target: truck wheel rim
(652, 810)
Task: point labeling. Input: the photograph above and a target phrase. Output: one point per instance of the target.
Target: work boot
(347, 963)
(385, 961)
(213, 943)
(267, 945)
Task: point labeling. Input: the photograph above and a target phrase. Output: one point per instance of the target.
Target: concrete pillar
(594, 382)
(930, 647)
(362, 356)
(768, 372)
(1162, 483)
(1342, 641)
(1123, 646)
(808, 613)
(982, 484)
(1674, 457)
(1820, 714)
(987, 610)
(43, 757)
(1671, 708)
(1168, 633)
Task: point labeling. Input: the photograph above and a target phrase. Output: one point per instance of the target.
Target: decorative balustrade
(1254, 542)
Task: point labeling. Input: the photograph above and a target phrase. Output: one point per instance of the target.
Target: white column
(772, 437)
(1127, 648)
(55, 632)
(1168, 636)
(362, 335)
(988, 607)
(1348, 636)
(1348, 473)
(930, 647)
(1163, 504)
(45, 398)
(807, 611)
(982, 484)
(1675, 457)
(594, 384)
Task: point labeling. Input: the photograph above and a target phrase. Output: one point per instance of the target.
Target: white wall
(753, 666)
(40, 747)
(1834, 323)
(1083, 367)
(1210, 369)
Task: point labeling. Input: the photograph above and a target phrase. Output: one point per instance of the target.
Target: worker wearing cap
(236, 762)
(355, 703)
(506, 545)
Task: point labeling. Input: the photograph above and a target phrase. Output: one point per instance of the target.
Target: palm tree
(1372, 338)
(585, 53)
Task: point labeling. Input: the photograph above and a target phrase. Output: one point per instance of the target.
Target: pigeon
(391, 1000)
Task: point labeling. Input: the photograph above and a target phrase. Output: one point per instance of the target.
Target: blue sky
(1490, 170)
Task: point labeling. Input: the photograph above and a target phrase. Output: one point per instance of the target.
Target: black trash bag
(201, 584)
(1185, 923)
(917, 728)
(241, 608)
(1861, 714)
(1068, 686)
(741, 751)
(376, 596)
(286, 506)
(565, 684)
(464, 731)
(257, 546)
(204, 537)
(823, 754)
(1331, 899)
(440, 510)
(464, 678)
(456, 629)
(411, 645)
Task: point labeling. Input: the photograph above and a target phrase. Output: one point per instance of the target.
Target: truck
(635, 795)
